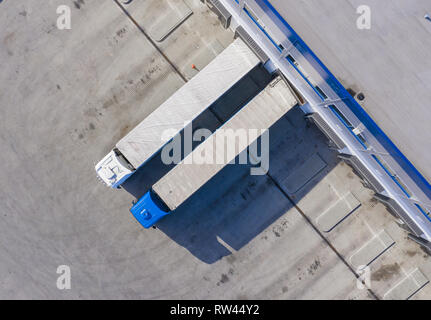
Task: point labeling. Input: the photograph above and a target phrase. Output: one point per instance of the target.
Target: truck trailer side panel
(260, 113)
(187, 103)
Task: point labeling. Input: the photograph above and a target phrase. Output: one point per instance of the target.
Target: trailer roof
(187, 103)
(260, 113)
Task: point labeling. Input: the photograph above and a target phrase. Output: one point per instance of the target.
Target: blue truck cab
(149, 209)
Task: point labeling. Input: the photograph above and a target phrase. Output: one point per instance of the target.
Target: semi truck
(187, 177)
(185, 105)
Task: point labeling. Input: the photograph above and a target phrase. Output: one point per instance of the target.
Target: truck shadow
(234, 207)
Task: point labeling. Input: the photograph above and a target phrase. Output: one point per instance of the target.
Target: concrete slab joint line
(173, 66)
(176, 13)
(304, 174)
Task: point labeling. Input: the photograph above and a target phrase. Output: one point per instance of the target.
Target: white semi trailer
(196, 96)
(188, 177)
